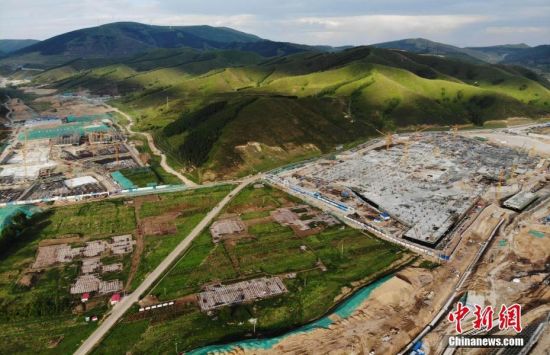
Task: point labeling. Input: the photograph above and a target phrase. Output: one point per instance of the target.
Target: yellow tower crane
(389, 138)
(417, 132)
(454, 130)
(405, 157)
(117, 152)
(513, 171)
(25, 151)
(498, 186)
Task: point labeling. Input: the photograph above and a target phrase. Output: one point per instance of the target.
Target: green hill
(230, 113)
(536, 57)
(123, 39)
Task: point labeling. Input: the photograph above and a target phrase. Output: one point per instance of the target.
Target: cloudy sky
(336, 22)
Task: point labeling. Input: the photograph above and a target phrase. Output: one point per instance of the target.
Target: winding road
(154, 149)
(122, 307)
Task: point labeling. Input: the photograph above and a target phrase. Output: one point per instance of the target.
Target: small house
(115, 298)
(85, 297)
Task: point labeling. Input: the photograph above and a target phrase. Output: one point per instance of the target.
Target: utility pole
(389, 138)
(454, 130)
(499, 184)
(405, 157)
(254, 321)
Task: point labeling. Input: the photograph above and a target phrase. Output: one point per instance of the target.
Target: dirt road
(154, 149)
(120, 308)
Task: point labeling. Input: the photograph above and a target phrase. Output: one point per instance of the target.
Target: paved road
(125, 304)
(154, 148)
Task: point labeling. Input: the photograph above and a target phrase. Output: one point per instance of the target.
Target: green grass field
(94, 220)
(349, 255)
(39, 318)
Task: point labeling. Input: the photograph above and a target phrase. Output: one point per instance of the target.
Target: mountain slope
(11, 45)
(496, 54)
(535, 57)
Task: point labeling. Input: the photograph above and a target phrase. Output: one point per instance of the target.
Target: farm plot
(95, 220)
(314, 269)
(188, 202)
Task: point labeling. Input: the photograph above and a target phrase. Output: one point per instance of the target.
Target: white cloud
(51, 22)
(374, 28)
(236, 21)
(504, 30)
(459, 22)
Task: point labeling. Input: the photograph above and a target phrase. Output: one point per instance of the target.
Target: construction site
(420, 187)
(89, 255)
(302, 219)
(56, 153)
(495, 251)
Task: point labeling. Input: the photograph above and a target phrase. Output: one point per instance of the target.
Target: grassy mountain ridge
(232, 120)
(518, 54)
(222, 113)
(425, 46)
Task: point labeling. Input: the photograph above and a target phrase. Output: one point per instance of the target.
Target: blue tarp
(123, 181)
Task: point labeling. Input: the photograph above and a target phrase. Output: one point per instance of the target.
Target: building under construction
(226, 228)
(218, 295)
(424, 183)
